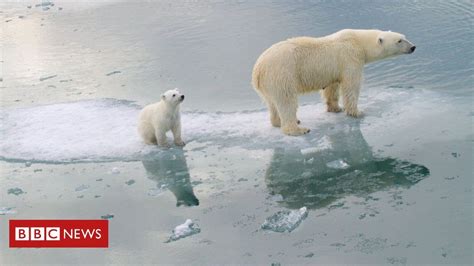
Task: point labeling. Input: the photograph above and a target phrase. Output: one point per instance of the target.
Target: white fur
(333, 64)
(158, 118)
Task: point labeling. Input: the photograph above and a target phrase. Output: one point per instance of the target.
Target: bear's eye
(399, 41)
(174, 95)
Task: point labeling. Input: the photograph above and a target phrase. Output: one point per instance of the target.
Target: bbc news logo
(37, 233)
(59, 233)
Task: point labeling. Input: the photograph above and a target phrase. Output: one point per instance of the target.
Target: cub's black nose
(182, 97)
(412, 49)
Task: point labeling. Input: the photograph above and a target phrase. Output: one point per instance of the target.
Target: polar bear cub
(158, 118)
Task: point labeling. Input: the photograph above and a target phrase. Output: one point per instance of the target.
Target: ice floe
(15, 191)
(285, 221)
(113, 73)
(48, 77)
(115, 171)
(338, 164)
(106, 129)
(188, 228)
(82, 188)
(7, 210)
(107, 216)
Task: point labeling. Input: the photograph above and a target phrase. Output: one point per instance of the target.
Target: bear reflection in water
(311, 180)
(170, 170)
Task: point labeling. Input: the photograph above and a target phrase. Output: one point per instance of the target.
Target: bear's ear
(380, 40)
(163, 97)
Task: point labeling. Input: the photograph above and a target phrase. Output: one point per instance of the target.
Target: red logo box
(59, 233)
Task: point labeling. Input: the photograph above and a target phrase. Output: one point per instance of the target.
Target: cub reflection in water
(344, 166)
(170, 170)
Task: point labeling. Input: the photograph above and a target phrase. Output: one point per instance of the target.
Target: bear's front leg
(176, 129)
(161, 138)
(350, 88)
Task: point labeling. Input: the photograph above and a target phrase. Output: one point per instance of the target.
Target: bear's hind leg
(331, 96)
(274, 116)
(161, 139)
(287, 107)
(151, 141)
(147, 132)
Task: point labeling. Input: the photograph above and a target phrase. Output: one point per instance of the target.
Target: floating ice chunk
(338, 164)
(307, 174)
(285, 220)
(81, 188)
(7, 210)
(113, 73)
(44, 4)
(276, 197)
(309, 150)
(15, 191)
(323, 144)
(48, 77)
(181, 173)
(107, 216)
(115, 171)
(155, 192)
(184, 230)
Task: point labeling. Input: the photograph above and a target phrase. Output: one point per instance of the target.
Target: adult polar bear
(333, 64)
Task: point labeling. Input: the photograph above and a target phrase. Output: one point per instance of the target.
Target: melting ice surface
(285, 221)
(106, 129)
(188, 228)
(338, 164)
(7, 210)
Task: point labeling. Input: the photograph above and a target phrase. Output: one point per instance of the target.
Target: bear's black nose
(182, 97)
(412, 49)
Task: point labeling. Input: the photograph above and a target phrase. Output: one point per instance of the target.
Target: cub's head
(173, 97)
(393, 44)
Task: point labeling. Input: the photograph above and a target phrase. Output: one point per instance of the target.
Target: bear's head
(393, 44)
(172, 97)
